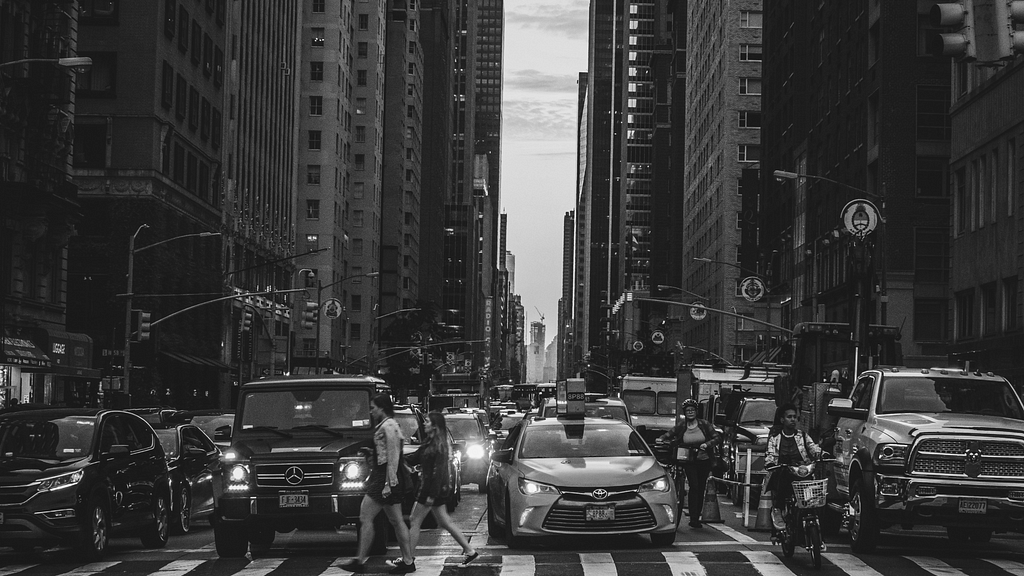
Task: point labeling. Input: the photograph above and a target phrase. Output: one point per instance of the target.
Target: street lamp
(132, 251)
(683, 290)
(80, 64)
(319, 303)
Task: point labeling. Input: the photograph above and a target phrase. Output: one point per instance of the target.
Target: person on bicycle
(788, 445)
(697, 443)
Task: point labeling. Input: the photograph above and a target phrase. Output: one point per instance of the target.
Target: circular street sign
(860, 217)
(638, 346)
(332, 308)
(697, 311)
(752, 288)
(658, 337)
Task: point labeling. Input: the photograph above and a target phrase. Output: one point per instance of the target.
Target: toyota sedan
(565, 476)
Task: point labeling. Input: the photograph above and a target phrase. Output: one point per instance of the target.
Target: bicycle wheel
(814, 539)
(788, 540)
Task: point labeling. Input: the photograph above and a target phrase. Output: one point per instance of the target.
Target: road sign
(449, 357)
(658, 337)
(638, 346)
(697, 311)
(332, 308)
(752, 288)
(860, 217)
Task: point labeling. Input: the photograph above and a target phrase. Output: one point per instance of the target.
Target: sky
(545, 50)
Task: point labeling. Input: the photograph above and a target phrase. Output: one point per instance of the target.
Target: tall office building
(564, 341)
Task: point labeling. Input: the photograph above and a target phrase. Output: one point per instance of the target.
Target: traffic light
(145, 326)
(983, 30)
(309, 314)
(246, 320)
(1011, 16)
(960, 43)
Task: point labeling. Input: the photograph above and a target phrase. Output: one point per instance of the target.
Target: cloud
(568, 19)
(537, 81)
(539, 120)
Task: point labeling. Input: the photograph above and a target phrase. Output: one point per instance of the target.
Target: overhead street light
(80, 64)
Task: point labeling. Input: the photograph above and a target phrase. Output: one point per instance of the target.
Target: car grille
(12, 494)
(276, 475)
(948, 457)
(629, 516)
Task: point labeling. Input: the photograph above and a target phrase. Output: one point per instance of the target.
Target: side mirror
(502, 456)
(117, 451)
(222, 433)
(843, 408)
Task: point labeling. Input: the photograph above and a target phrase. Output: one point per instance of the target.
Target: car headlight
(475, 451)
(59, 482)
(351, 470)
(238, 474)
(529, 487)
(891, 454)
(657, 485)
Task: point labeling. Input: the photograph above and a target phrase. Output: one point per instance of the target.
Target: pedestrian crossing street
(737, 562)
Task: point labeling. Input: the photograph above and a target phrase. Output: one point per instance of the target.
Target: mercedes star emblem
(600, 493)
(293, 475)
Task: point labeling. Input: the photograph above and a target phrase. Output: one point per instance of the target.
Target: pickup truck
(935, 446)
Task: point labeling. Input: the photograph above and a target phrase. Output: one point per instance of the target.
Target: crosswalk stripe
(518, 566)
(935, 566)
(684, 564)
(851, 564)
(733, 533)
(260, 567)
(15, 569)
(91, 568)
(1010, 566)
(766, 563)
(598, 564)
(178, 568)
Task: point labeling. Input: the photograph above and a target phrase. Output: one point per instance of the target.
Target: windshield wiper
(321, 427)
(273, 429)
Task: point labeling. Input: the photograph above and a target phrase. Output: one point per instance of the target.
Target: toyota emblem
(293, 475)
(600, 494)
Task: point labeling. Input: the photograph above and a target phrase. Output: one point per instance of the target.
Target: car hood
(24, 470)
(912, 425)
(314, 445)
(586, 472)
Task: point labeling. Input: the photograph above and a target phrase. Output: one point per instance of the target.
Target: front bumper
(537, 515)
(49, 517)
(944, 502)
(325, 510)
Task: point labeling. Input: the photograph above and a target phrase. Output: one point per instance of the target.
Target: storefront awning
(70, 352)
(20, 351)
(196, 360)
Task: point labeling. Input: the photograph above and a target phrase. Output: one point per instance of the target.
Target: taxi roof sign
(571, 397)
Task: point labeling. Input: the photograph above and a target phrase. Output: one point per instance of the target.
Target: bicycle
(802, 513)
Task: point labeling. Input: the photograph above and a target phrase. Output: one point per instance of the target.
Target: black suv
(77, 476)
(295, 461)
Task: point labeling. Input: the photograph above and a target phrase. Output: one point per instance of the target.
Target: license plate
(600, 513)
(293, 500)
(970, 506)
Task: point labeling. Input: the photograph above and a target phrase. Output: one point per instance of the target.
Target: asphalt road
(725, 548)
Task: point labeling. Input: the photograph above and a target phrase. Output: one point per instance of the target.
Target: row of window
(176, 93)
(193, 41)
(986, 188)
(988, 310)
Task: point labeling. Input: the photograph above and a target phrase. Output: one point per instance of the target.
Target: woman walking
(383, 491)
(698, 441)
(434, 458)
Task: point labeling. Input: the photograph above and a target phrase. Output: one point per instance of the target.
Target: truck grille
(294, 474)
(636, 516)
(949, 457)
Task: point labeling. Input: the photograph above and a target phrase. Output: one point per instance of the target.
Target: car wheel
(230, 539)
(154, 535)
(664, 539)
(92, 540)
(511, 540)
(863, 521)
(183, 516)
(493, 528)
(261, 539)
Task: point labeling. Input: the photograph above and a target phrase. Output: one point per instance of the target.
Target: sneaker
(403, 568)
(353, 565)
(392, 562)
(777, 519)
(469, 558)
(695, 524)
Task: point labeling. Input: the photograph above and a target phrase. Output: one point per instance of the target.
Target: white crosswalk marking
(260, 567)
(598, 564)
(178, 568)
(15, 569)
(91, 568)
(684, 564)
(766, 563)
(851, 564)
(1010, 566)
(733, 533)
(518, 566)
(935, 566)
(430, 565)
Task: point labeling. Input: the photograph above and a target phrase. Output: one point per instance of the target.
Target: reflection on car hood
(906, 425)
(23, 470)
(306, 444)
(586, 472)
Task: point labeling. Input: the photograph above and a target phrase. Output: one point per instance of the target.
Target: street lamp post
(132, 251)
(319, 313)
(683, 290)
(77, 63)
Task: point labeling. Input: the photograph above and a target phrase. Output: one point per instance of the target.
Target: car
(746, 426)
(214, 422)
(504, 421)
(578, 476)
(78, 476)
(596, 406)
(155, 415)
(475, 444)
(193, 464)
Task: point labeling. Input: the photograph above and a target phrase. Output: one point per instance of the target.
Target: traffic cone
(710, 513)
(764, 513)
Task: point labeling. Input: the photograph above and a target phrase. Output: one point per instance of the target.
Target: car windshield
(593, 410)
(301, 407)
(757, 413)
(464, 428)
(581, 441)
(67, 438)
(667, 403)
(640, 401)
(948, 395)
(409, 424)
(169, 440)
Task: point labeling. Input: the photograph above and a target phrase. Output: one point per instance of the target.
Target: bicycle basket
(810, 493)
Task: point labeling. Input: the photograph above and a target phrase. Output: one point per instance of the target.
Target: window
(356, 332)
(221, 11)
(364, 21)
(316, 71)
(170, 7)
(360, 105)
(412, 47)
(207, 55)
(318, 7)
(965, 314)
(750, 52)
(360, 133)
(1011, 176)
(750, 119)
(357, 247)
(930, 320)
(1010, 304)
(360, 77)
(750, 86)
(204, 120)
(357, 303)
(312, 242)
(203, 190)
(362, 49)
(748, 153)
(962, 201)
(358, 190)
(312, 209)
(179, 164)
(411, 68)
(181, 97)
(931, 177)
(989, 309)
(313, 174)
(357, 218)
(197, 43)
(316, 105)
(218, 66)
(182, 29)
(167, 86)
(750, 19)
(193, 108)
(931, 255)
(360, 162)
(191, 172)
(215, 129)
(90, 145)
(317, 37)
(101, 78)
(314, 139)
(933, 113)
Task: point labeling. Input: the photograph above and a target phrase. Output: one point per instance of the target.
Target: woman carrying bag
(697, 447)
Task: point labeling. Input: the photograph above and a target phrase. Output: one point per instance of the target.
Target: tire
(154, 535)
(230, 539)
(788, 543)
(814, 539)
(864, 521)
(182, 520)
(663, 539)
(511, 540)
(493, 528)
(260, 540)
(93, 539)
